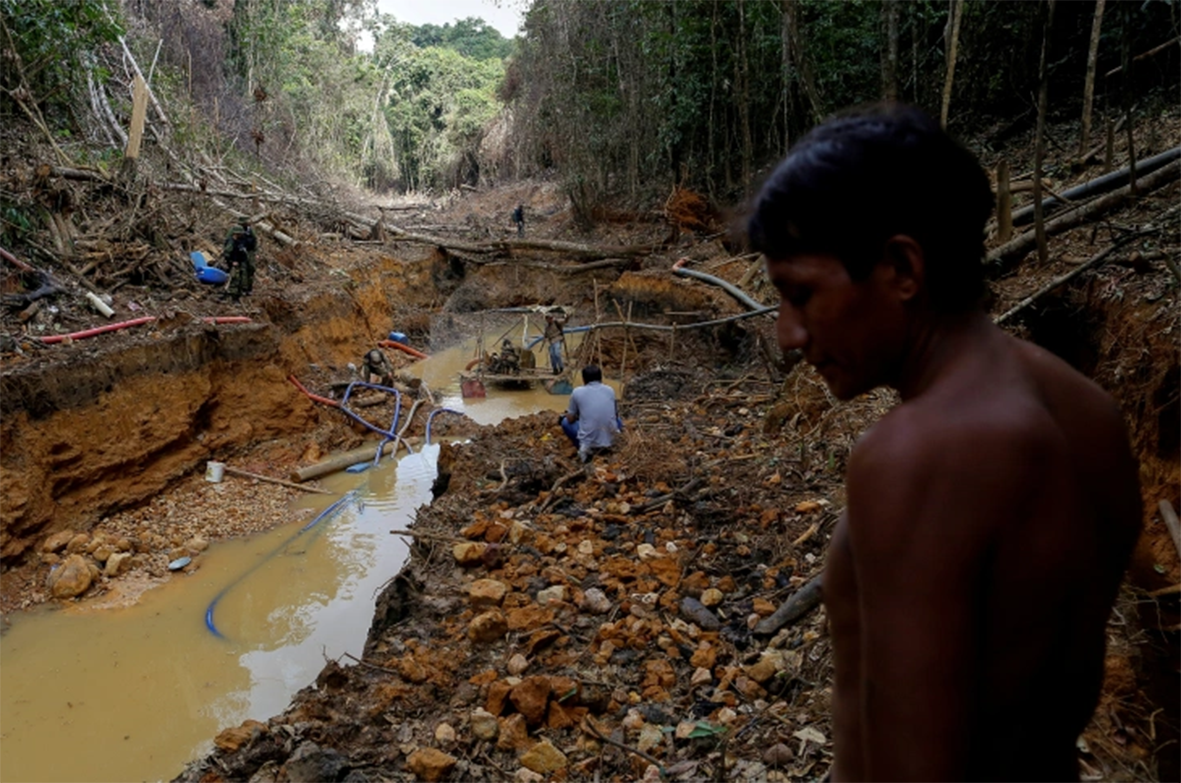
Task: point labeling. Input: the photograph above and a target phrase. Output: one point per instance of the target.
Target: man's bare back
(990, 520)
(991, 515)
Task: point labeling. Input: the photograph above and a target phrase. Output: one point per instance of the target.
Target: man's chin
(845, 389)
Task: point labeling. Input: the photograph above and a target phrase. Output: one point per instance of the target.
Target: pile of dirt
(560, 617)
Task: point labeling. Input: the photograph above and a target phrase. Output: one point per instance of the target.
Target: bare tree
(791, 9)
(890, 13)
(1089, 84)
(957, 13)
(1039, 148)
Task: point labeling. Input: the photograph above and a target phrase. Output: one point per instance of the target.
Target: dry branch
(1091, 263)
(280, 482)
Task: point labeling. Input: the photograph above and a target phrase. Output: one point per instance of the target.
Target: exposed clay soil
(724, 490)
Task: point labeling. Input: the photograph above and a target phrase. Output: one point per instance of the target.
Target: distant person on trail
(377, 365)
(992, 513)
(238, 252)
(519, 219)
(592, 420)
(556, 341)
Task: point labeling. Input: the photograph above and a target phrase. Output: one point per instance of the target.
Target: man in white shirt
(592, 419)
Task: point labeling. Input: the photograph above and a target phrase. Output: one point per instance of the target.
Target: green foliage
(15, 222)
(471, 37)
(439, 104)
(631, 96)
(49, 38)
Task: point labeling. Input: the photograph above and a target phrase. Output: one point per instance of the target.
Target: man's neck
(936, 344)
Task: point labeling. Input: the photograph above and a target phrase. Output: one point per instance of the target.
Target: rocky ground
(619, 620)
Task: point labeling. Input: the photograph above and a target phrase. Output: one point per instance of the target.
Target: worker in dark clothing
(519, 219)
(239, 253)
(377, 365)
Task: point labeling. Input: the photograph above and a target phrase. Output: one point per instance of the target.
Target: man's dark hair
(868, 175)
(591, 373)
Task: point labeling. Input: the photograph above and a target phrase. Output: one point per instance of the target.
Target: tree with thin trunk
(741, 71)
(786, 96)
(1089, 84)
(791, 9)
(890, 12)
(1039, 148)
(953, 38)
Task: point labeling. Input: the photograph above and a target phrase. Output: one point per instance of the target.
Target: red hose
(10, 258)
(310, 396)
(405, 348)
(57, 338)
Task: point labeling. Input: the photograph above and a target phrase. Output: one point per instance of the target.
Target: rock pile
(603, 625)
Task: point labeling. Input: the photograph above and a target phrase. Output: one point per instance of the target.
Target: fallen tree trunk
(1098, 185)
(1022, 244)
(560, 269)
(590, 252)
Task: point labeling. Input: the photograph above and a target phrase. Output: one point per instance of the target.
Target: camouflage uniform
(239, 252)
(376, 363)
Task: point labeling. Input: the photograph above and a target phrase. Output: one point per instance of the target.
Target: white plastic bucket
(214, 471)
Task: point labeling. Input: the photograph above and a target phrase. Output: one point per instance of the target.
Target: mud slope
(93, 429)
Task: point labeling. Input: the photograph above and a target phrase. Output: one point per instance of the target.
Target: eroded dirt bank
(96, 428)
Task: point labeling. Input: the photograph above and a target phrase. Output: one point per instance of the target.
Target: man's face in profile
(846, 329)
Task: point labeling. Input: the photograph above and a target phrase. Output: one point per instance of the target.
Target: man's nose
(790, 328)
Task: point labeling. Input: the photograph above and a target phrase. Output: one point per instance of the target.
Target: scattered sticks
(291, 485)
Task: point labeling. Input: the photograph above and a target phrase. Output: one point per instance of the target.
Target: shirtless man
(992, 513)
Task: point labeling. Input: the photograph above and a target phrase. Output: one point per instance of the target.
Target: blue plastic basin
(212, 275)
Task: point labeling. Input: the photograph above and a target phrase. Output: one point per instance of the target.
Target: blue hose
(431, 418)
(332, 510)
(392, 432)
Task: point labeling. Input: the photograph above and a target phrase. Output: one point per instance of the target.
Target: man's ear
(906, 263)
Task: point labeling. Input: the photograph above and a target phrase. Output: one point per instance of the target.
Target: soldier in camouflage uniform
(239, 253)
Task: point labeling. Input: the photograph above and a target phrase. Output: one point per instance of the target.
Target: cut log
(341, 461)
(1021, 244)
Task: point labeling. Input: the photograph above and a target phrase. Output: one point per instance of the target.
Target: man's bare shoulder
(925, 464)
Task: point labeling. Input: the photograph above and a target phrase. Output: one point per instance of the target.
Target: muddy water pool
(134, 693)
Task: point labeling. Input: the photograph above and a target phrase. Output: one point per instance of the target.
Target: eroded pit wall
(87, 428)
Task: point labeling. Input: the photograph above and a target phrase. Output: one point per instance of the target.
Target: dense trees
(620, 97)
(706, 92)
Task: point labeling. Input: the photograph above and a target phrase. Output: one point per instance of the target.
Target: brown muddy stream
(130, 694)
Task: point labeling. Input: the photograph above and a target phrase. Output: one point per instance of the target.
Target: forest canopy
(616, 99)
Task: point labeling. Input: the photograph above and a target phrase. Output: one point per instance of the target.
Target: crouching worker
(377, 365)
(592, 420)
